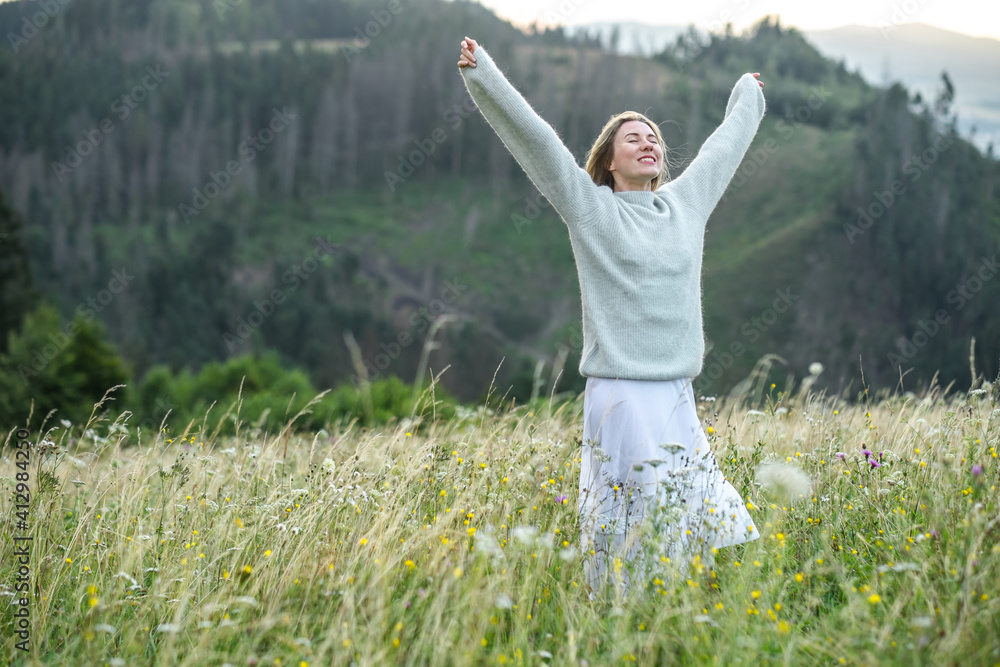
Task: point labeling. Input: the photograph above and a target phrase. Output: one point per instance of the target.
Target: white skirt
(645, 456)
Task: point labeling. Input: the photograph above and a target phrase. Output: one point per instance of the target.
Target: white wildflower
(600, 454)
(899, 567)
(525, 534)
(786, 482)
(486, 543)
(125, 575)
(815, 368)
(672, 447)
(503, 601)
(705, 618)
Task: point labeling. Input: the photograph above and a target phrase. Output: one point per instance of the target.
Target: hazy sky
(972, 17)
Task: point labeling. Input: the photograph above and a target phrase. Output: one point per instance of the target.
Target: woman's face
(637, 157)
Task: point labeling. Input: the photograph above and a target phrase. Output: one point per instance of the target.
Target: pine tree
(16, 293)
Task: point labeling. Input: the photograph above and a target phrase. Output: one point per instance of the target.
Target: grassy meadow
(432, 542)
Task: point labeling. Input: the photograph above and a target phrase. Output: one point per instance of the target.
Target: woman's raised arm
(532, 141)
(706, 178)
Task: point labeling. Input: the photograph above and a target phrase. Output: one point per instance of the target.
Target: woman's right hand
(469, 47)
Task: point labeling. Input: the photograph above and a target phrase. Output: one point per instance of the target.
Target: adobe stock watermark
(786, 127)
(363, 35)
(421, 319)
(40, 358)
(248, 149)
(900, 14)
(533, 206)
(161, 409)
(222, 7)
(122, 106)
(959, 297)
(562, 12)
(262, 310)
(456, 114)
(40, 19)
(751, 331)
(914, 168)
(718, 24)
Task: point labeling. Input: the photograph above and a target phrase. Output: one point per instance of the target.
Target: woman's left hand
(757, 74)
(468, 58)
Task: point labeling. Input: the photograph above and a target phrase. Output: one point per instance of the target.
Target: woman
(638, 240)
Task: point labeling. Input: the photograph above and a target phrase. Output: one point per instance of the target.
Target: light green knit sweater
(638, 254)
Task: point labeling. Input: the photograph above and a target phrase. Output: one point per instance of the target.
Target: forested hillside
(219, 177)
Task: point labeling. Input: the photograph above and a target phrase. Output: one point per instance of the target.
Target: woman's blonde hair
(600, 154)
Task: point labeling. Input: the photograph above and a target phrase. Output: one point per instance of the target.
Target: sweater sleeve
(533, 143)
(705, 180)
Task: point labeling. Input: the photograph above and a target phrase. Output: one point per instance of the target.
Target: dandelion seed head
(786, 482)
(525, 534)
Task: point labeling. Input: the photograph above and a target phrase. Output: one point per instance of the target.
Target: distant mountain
(914, 54)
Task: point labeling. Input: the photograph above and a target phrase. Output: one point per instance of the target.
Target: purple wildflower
(977, 470)
(561, 499)
(874, 463)
(934, 533)
(866, 452)
(841, 455)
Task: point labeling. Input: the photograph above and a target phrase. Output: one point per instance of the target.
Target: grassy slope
(757, 240)
(763, 237)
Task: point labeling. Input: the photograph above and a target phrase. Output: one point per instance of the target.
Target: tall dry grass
(424, 542)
